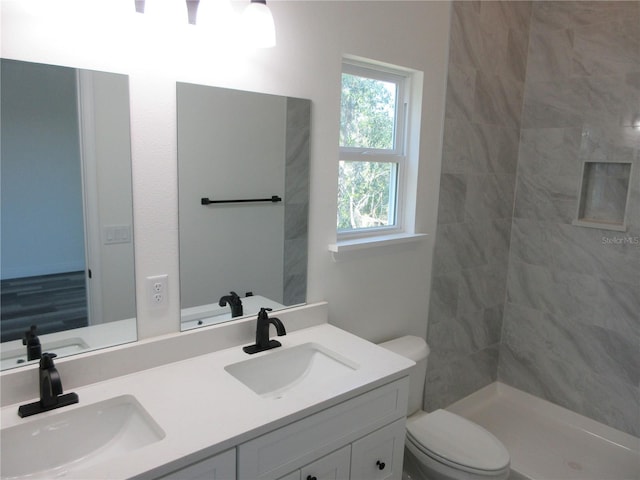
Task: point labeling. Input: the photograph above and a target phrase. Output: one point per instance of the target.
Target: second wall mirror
(243, 189)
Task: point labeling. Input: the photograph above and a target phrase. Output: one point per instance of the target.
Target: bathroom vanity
(361, 438)
(325, 403)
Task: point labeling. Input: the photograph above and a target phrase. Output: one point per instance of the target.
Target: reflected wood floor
(52, 302)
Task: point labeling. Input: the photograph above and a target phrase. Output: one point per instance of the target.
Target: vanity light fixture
(167, 11)
(258, 24)
(217, 18)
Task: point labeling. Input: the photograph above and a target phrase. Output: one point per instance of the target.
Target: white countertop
(203, 410)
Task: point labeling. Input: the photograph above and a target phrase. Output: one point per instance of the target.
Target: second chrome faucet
(262, 333)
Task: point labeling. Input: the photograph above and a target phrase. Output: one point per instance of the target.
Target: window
(372, 150)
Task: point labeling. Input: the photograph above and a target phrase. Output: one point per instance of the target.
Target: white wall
(378, 295)
(112, 151)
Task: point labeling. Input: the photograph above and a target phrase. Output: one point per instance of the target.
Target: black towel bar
(273, 199)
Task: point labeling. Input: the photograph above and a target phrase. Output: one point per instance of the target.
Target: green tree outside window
(368, 115)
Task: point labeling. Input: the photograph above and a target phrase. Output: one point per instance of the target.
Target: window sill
(358, 244)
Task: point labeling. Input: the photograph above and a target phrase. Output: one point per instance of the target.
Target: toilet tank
(416, 349)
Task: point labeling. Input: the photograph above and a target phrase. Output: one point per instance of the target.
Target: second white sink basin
(61, 442)
(282, 370)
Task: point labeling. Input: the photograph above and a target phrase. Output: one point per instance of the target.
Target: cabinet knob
(380, 465)
(309, 477)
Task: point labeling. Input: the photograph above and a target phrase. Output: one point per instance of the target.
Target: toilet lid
(457, 440)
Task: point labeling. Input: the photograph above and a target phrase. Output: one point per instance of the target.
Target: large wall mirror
(67, 228)
(243, 186)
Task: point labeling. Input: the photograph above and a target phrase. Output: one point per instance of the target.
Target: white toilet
(442, 445)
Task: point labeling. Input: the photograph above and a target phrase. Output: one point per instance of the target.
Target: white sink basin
(61, 442)
(280, 371)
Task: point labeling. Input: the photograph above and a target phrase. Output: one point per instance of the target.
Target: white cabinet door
(219, 467)
(379, 455)
(334, 466)
(293, 446)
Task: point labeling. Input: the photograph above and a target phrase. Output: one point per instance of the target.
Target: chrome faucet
(51, 396)
(262, 333)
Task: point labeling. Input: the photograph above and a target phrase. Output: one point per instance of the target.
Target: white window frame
(397, 155)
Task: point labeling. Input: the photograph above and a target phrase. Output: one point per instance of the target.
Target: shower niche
(604, 195)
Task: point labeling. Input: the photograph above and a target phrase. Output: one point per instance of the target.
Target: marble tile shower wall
(296, 201)
(572, 314)
(485, 88)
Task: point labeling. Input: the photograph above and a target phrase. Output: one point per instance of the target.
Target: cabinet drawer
(334, 466)
(379, 455)
(279, 452)
(292, 476)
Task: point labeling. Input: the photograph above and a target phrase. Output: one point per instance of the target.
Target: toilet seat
(457, 442)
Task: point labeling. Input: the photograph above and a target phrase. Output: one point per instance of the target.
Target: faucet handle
(46, 361)
(30, 336)
(32, 342)
(262, 314)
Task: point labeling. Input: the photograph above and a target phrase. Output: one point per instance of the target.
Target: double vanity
(325, 401)
(193, 404)
(186, 405)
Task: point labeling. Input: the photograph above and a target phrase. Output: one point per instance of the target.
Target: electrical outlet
(158, 288)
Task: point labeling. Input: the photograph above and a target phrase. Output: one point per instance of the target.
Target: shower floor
(548, 442)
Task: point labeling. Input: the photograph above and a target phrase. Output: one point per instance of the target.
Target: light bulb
(214, 12)
(217, 19)
(259, 28)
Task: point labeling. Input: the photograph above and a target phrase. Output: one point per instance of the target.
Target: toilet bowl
(442, 445)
